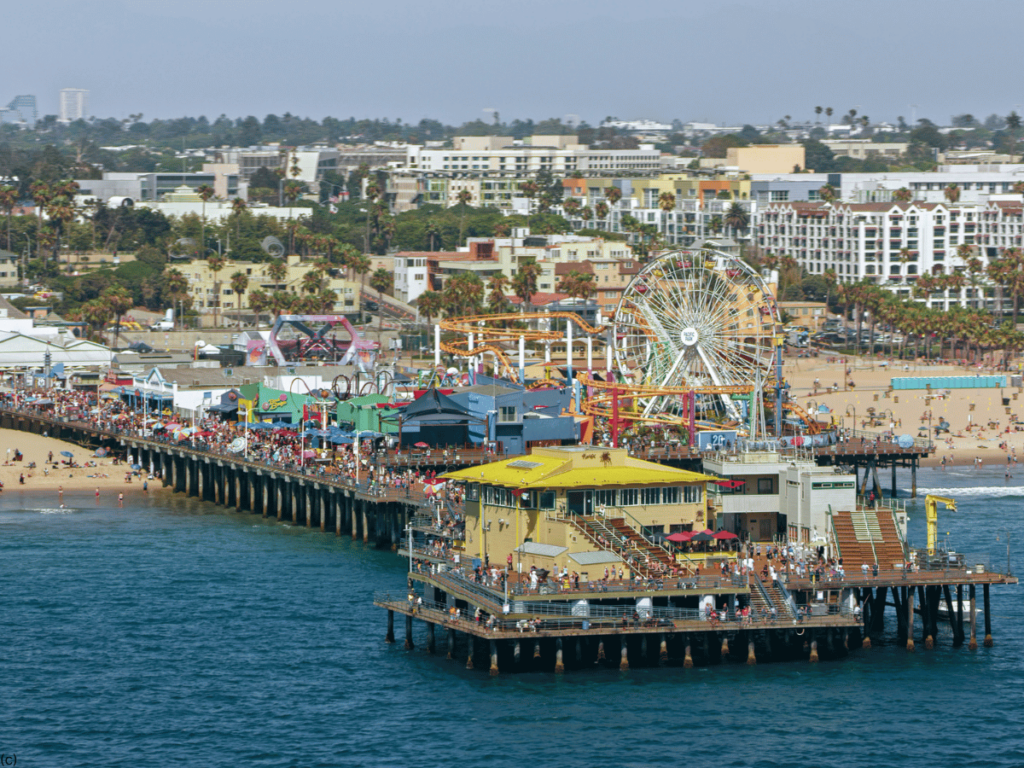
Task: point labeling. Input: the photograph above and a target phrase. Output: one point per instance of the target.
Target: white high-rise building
(73, 104)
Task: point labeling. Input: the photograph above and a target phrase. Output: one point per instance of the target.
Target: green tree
(463, 197)
(8, 202)
(430, 304)
(524, 282)
(381, 280)
(119, 301)
(239, 284)
(277, 271)
(216, 264)
(205, 192)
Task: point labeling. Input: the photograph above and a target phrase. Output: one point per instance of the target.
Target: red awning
(679, 538)
(725, 535)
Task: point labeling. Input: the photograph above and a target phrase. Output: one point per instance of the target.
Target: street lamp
(854, 409)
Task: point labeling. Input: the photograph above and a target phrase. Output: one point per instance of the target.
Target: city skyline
(564, 59)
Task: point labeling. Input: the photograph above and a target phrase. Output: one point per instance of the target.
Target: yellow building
(553, 508)
(211, 289)
(766, 158)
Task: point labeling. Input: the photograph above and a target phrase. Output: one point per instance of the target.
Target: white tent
(20, 352)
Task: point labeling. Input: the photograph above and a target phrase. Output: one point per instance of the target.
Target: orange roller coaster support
(813, 427)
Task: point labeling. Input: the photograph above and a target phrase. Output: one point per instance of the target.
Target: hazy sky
(727, 61)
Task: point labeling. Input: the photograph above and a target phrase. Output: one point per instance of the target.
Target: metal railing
(787, 599)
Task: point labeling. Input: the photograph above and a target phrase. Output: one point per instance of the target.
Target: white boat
(944, 613)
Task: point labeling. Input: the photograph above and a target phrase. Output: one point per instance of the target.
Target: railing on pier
(763, 593)
(787, 599)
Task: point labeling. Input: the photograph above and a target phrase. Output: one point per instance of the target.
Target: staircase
(778, 599)
(389, 305)
(868, 536)
(637, 543)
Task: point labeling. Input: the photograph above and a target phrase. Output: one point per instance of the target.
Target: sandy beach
(977, 417)
(36, 448)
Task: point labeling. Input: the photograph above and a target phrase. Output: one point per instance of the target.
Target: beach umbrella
(703, 536)
(725, 536)
(100, 453)
(172, 427)
(136, 466)
(679, 538)
(420, 445)
(308, 454)
(67, 453)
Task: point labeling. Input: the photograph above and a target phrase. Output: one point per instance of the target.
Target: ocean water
(171, 632)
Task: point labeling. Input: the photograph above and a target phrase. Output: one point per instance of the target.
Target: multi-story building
(893, 244)
(556, 255)
(212, 291)
(493, 168)
(74, 104)
(21, 109)
(152, 187)
(310, 162)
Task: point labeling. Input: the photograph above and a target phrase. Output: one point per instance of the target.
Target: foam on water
(978, 491)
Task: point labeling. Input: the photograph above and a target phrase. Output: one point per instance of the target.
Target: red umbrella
(420, 445)
(725, 536)
(680, 537)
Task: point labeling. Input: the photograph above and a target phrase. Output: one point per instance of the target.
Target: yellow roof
(553, 471)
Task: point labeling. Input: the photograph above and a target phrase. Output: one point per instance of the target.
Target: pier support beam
(814, 652)
(494, 658)
(336, 505)
(559, 665)
(663, 651)
(910, 619)
(751, 657)
(536, 649)
(973, 643)
(988, 616)
(687, 656)
(516, 652)
(725, 648)
(309, 506)
(408, 633)
(469, 655)
(431, 642)
(265, 489)
(451, 644)
(600, 651)
(624, 653)
(954, 624)
(913, 477)
(390, 636)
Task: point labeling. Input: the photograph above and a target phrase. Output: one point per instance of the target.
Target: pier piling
(663, 651)
(910, 618)
(751, 657)
(624, 663)
(814, 652)
(559, 665)
(600, 651)
(973, 644)
(988, 616)
(408, 633)
(390, 636)
(431, 642)
(688, 657)
(451, 644)
(494, 658)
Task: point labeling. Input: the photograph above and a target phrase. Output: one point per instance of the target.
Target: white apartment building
(892, 243)
(74, 104)
(411, 275)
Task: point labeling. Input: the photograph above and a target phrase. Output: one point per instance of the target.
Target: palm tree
(216, 264)
(119, 301)
(61, 213)
(667, 202)
(902, 195)
(41, 195)
(817, 112)
(433, 233)
(97, 314)
(312, 281)
(259, 302)
(737, 218)
(952, 193)
(586, 214)
(530, 190)
(239, 283)
(205, 192)
(430, 304)
(571, 207)
(612, 195)
(8, 201)
(975, 269)
(601, 209)
(238, 207)
(463, 198)
(277, 271)
(360, 265)
(524, 283)
(828, 194)
(381, 281)
(497, 286)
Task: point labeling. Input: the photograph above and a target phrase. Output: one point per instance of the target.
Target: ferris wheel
(696, 319)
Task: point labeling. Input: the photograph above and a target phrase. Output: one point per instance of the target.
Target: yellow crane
(931, 510)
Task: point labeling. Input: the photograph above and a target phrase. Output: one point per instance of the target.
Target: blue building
(515, 419)
(22, 109)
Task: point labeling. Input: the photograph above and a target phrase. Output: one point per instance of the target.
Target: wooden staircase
(868, 536)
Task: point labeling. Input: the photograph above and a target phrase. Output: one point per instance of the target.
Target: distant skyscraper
(73, 104)
(22, 109)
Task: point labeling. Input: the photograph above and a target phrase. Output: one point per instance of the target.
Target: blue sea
(171, 632)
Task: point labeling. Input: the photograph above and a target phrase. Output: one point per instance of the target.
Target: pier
(326, 502)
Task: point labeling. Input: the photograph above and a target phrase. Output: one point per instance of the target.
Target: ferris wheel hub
(689, 336)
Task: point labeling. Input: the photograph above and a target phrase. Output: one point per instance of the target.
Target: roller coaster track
(600, 401)
(813, 427)
(478, 326)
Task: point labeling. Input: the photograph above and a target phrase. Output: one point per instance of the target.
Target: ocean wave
(978, 491)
